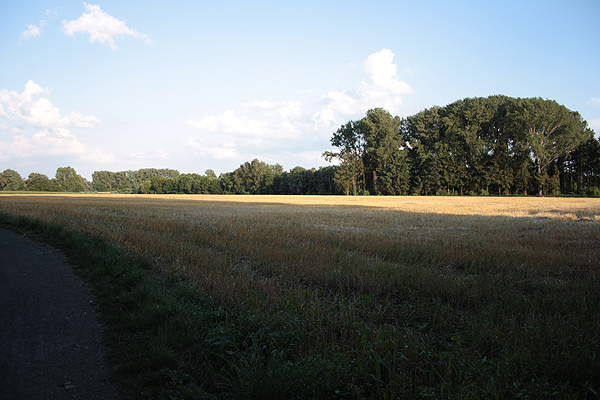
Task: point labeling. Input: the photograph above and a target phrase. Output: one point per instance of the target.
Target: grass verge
(170, 341)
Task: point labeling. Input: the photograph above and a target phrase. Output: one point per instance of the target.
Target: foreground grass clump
(171, 341)
(327, 297)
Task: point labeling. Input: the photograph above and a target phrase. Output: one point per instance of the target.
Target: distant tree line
(496, 145)
(65, 180)
(255, 177)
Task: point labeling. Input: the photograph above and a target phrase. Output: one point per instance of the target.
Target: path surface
(51, 344)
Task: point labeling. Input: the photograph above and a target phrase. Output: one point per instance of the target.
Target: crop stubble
(402, 268)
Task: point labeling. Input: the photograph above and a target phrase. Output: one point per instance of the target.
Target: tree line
(255, 177)
(66, 179)
(494, 145)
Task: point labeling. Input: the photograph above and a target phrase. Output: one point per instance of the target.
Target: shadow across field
(414, 297)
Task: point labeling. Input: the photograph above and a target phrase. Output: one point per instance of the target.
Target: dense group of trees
(494, 145)
(255, 177)
(129, 181)
(65, 180)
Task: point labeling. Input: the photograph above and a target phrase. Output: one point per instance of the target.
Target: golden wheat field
(413, 293)
(539, 233)
(227, 243)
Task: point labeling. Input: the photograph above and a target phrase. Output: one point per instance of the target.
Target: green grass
(477, 335)
(170, 341)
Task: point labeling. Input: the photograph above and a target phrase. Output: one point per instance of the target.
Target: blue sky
(196, 85)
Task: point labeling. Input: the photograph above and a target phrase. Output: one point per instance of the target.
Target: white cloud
(324, 118)
(101, 27)
(344, 102)
(260, 125)
(229, 122)
(51, 12)
(595, 124)
(232, 136)
(288, 130)
(308, 158)
(57, 142)
(217, 152)
(595, 101)
(20, 146)
(51, 142)
(33, 31)
(35, 110)
(382, 88)
(45, 142)
(32, 108)
(81, 121)
(284, 109)
(279, 131)
(381, 71)
(98, 156)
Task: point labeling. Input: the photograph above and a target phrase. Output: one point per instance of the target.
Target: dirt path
(51, 343)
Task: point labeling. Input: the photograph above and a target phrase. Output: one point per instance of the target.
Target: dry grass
(216, 241)
(545, 234)
(505, 273)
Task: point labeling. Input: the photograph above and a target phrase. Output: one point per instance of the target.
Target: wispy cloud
(51, 12)
(101, 27)
(33, 31)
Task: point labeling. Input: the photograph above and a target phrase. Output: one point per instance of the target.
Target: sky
(197, 85)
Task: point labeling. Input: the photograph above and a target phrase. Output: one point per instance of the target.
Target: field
(364, 297)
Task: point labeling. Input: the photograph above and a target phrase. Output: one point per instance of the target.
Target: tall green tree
(371, 154)
(481, 144)
(547, 130)
(103, 181)
(256, 177)
(423, 134)
(350, 141)
(383, 146)
(324, 178)
(41, 183)
(11, 180)
(581, 169)
(69, 180)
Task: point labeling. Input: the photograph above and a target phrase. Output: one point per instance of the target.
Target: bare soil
(51, 341)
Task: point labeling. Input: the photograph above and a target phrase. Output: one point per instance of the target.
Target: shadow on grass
(172, 341)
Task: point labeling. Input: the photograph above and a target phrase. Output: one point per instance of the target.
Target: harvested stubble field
(368, 297)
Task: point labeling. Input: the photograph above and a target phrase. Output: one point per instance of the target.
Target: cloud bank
(32, 111)
(262, 125)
